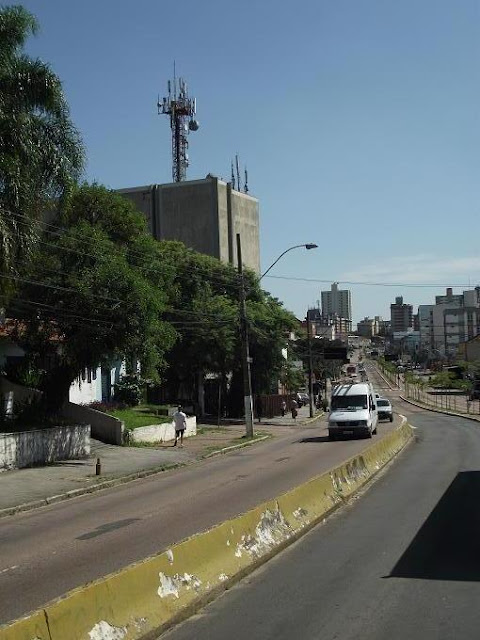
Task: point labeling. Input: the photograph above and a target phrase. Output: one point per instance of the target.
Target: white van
(353, 411)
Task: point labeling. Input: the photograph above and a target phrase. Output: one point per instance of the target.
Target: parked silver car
(385, 410)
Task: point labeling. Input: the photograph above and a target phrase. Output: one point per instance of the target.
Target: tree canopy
(41, 154)
(95, 290)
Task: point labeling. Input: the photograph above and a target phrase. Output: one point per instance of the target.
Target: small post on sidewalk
(98, 467)
(247, 380)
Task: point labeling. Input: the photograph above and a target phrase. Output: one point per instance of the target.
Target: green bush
(129, 390)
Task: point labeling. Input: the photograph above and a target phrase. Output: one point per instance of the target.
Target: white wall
(85, 392)
(43, 446)
(163, 432)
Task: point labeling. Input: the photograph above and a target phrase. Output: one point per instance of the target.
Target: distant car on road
(385, 410)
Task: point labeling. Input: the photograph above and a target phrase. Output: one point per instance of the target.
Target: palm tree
(41, 154)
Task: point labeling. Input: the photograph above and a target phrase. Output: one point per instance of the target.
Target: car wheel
(391, 418)
(375, 431)
(331, 436)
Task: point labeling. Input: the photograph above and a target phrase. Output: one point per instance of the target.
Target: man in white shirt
(180, 420)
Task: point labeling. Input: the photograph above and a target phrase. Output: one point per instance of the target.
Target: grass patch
(141, 416)
(202, 430)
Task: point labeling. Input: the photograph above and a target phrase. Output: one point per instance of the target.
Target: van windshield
(349, 402)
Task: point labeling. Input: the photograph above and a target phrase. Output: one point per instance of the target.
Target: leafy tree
(443, 380)
(40, 150)
(95, 291)
(203, 308)
(291, 377)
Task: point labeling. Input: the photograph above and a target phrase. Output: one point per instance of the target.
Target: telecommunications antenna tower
(181, 110)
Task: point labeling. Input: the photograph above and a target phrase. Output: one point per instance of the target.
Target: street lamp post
(246, 360)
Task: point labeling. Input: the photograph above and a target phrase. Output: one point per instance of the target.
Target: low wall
(11, 393)
(142, 600)
(43, 446)
(103, 427)
(163, 432)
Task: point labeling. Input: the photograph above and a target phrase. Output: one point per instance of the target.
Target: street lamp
(246, 360)
(309, 245)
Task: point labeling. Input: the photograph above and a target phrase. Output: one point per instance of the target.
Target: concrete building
(401, 316)
(425, 328)
(452, 325)
(449, 298)
(453, 320)
(205, 215)
(337, 302)
(470, 350)
(369, 327)
(407, 344)
(329, 326)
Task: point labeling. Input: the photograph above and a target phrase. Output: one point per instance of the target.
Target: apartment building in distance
(401, 316)
(370, 327)
(331, 327)
(337, 302)
(452, 321)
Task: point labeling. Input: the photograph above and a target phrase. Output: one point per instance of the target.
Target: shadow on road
(316, 439)
(447, 545)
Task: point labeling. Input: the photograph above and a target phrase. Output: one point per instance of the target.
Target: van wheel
(391, 418)
(369, 434)
(331, 436)
(375, 431)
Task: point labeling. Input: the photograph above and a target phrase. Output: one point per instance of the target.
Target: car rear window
(383, 403)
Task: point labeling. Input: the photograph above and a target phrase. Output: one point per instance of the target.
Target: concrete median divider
(144, 599)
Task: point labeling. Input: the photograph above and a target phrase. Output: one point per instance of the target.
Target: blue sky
(358, 120)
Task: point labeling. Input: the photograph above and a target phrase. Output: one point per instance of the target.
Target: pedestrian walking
(259, 408)
(180, 420)
(283, 407)
(294, 408)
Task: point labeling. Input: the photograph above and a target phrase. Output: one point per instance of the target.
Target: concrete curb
(233, 447)
(75, 493)
(144, 599)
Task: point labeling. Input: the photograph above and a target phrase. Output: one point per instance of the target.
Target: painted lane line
(15, 566)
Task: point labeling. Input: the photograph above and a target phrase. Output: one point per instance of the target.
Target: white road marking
(15, 566)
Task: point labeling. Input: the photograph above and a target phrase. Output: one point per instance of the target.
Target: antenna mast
(181, 109)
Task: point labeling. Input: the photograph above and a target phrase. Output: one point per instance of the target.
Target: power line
(370, 284)
(219, 280)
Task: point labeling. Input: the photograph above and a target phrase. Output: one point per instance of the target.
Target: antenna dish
(193, 125)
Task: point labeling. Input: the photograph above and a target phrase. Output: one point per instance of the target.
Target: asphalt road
(402, 561)
(45, 553)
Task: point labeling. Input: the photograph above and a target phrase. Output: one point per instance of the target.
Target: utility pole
(247, 380)
(310, 367)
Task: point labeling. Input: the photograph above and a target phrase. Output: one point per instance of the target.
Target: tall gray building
(401, 315)
(337, 301)
(205, 215)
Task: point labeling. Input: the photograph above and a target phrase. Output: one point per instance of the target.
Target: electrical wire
(369, 284)
(219, 280)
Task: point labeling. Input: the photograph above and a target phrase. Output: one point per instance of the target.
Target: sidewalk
(433, 400)
(38, 486)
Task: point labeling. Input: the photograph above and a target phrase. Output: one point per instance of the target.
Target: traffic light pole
(247, 380)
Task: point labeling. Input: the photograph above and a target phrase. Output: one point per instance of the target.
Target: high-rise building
(401, 315)
(337, 302)
(205, 215)
(453, 320)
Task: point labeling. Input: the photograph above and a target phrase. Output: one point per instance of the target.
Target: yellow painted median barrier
(143, 599)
